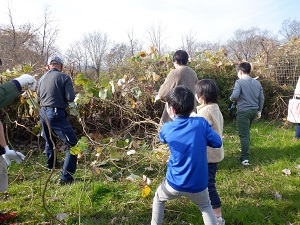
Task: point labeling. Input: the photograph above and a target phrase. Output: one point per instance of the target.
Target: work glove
(12, 155)
(258, 115)
(156, 98)
(26, 80)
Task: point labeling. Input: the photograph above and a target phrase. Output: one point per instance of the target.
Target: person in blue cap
(55, 91)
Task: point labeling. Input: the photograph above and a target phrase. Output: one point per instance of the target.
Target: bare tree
(290, 29)
(16, 43)
(189, 43)
(96, 45)
(134, 44)
(117, 58)
(245, 44)
(47, 35)
(77, 58)
(155, 34)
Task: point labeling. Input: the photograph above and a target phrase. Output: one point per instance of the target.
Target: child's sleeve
(213, 139)
(162, 136)
(236, 91)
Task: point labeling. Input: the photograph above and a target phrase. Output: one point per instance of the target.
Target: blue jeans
(244, 120)
(212, 190)
(297, 135)
(59, 128)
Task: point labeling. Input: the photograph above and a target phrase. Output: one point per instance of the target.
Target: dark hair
(181, 57)
(245, 67)
(182, 100)
(208, 89)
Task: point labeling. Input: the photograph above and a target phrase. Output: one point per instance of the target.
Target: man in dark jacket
(55, 91)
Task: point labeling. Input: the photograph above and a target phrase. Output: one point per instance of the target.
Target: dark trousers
(56, 125)
(244, 120)
(297, 134)
(212, 190)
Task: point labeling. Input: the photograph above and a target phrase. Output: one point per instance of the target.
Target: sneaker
(220, 221)
(244, 162)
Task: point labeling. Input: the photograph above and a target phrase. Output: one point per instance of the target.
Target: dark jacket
(8, 93)
(55, 90)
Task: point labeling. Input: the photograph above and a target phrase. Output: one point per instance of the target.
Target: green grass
(248, 194)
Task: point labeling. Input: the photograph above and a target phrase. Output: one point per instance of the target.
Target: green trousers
(244, 121)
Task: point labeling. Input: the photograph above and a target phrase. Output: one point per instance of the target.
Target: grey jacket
(248, 93)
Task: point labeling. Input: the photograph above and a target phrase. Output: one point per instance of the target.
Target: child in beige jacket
(206, 93)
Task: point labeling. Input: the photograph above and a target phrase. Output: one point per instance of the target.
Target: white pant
(165, 193)
(3, 175)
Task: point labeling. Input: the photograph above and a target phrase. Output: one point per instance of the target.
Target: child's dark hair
(245, 67)
(181, 57)
(182, 100)
(208, 89)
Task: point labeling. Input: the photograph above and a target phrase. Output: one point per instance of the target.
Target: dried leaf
(149, 168)
(95, 171)
(155, 76)
(22, 99)
(131, 152)
(96, 136)
(114, 220)
(146, 180)
(286, 171)
(100, 156)
(219, 64)
(132, 177)
(80, 156)
(109, 178)
(134, 145)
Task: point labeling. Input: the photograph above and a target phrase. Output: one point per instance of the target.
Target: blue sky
(211, 20)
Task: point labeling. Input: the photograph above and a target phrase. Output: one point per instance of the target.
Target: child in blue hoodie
(187, 169)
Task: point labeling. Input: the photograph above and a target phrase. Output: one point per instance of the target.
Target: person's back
(187, 138)
(181, 75)
(248, 93)
(55, 89)
(206, 94)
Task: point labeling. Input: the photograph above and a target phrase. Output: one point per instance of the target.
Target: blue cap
(55, 60)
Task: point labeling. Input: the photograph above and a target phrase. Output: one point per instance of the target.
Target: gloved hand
(27, 80)
(156, 98)
(258, 115)
(12, 155)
